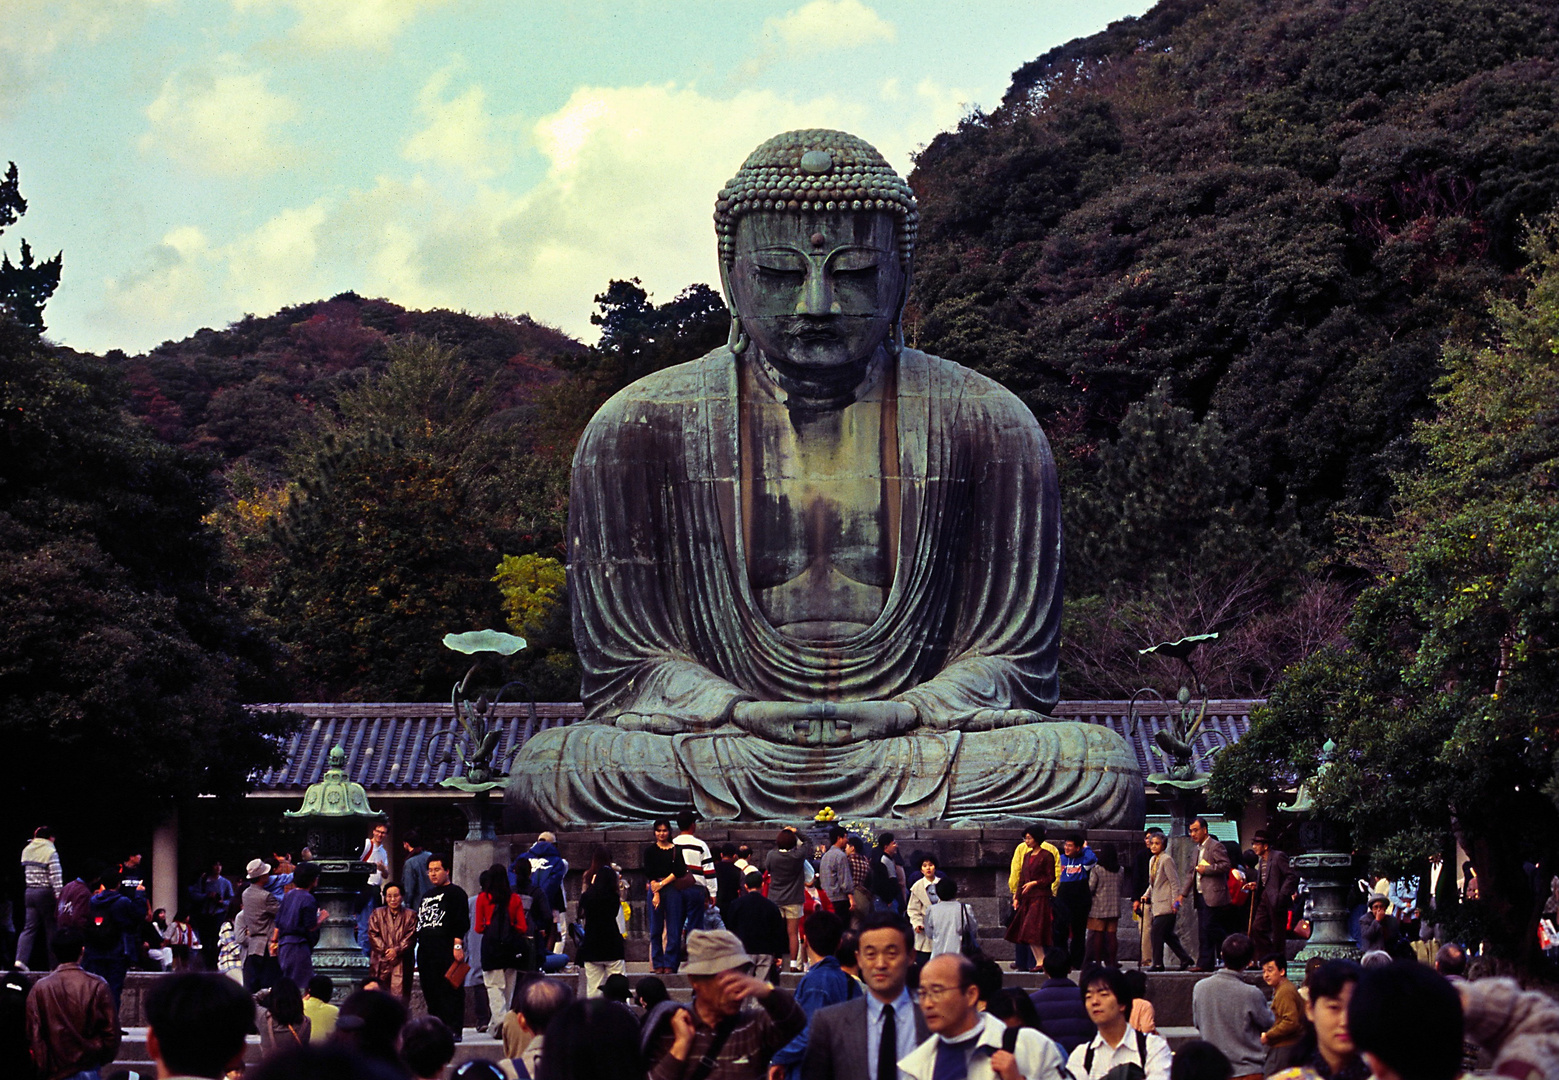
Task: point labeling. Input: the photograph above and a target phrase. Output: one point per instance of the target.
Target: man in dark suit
(1210, 884)
(1437, 891)
(866, 1037)
(1276, 884)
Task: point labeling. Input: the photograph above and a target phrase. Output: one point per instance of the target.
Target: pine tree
(25, 286)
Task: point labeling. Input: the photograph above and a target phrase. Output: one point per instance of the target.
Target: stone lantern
(1326, 872)
(336, 817)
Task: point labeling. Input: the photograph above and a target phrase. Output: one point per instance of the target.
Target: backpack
(1128, 1071)
(102, 933)
(502, 945)
(72, 909)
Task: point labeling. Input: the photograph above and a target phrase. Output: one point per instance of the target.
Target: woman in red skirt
(1031, 910)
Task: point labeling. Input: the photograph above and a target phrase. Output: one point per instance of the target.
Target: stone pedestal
(1182, 852)
(341, 884)
(473, 857)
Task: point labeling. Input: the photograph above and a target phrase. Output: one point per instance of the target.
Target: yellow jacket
(1022, 854)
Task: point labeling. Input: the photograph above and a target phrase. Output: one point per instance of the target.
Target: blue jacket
(125, 914)
(825, 983)
(547, 870)
(1061, 1014)
(298, 920)
(1074, 869)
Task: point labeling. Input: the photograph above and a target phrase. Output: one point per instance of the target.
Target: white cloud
(32, 30)
(222, 120)
(628, 192)
(829, 24)
(347, 24)
(461, 133)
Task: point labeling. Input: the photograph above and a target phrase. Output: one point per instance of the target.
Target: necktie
(888, 1049)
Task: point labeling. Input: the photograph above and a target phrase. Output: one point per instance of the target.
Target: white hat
(257, 870)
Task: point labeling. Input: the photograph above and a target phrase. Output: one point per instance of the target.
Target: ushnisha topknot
(815, 169)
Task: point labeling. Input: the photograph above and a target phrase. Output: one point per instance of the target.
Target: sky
(199, 160)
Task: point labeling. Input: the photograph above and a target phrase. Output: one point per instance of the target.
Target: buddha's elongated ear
(738, 340)
(895, 340)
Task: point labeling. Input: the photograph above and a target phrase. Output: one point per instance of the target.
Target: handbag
(968, 944)
(456, 975)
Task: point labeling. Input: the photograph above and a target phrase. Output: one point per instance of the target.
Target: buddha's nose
(817, 295)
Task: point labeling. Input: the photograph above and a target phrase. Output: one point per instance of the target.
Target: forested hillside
(247, 391)
(1218, 250)
(1256, 223)
(377, 465)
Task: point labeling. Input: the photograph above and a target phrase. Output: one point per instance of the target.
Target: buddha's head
(817, 234)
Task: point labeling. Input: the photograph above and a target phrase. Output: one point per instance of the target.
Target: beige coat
(1214, 884)
(1163, 886)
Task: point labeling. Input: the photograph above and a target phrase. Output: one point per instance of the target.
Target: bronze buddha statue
(816, 567)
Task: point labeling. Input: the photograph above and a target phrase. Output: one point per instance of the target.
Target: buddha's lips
(810, 330)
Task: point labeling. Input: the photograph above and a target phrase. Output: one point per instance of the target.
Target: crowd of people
(894, 981)
(865, 1009)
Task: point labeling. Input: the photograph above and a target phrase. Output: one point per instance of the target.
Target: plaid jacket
(747, 1050)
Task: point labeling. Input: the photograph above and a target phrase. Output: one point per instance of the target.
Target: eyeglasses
(936, 992)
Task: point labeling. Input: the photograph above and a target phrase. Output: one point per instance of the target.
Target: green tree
(400, 511)
(1285, 208)
(122, 668)
(25, 286)
(1442, 699)
(535, 599)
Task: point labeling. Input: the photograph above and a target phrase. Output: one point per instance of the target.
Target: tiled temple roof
(391, 748)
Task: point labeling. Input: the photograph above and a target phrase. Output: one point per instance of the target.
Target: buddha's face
(818, 289)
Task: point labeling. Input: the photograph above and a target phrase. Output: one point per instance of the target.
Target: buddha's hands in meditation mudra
(829, 723)
(814, 723)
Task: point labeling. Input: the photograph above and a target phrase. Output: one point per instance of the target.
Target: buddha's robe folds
(671, 637)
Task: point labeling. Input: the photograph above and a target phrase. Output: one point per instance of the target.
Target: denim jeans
(688, 914)
(658, 927)
(369, 900)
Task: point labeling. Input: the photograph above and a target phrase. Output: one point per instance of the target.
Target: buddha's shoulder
(671, 390)
(978, 401)
(950, 380)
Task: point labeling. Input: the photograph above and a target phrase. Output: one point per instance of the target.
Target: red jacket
(484, 912)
